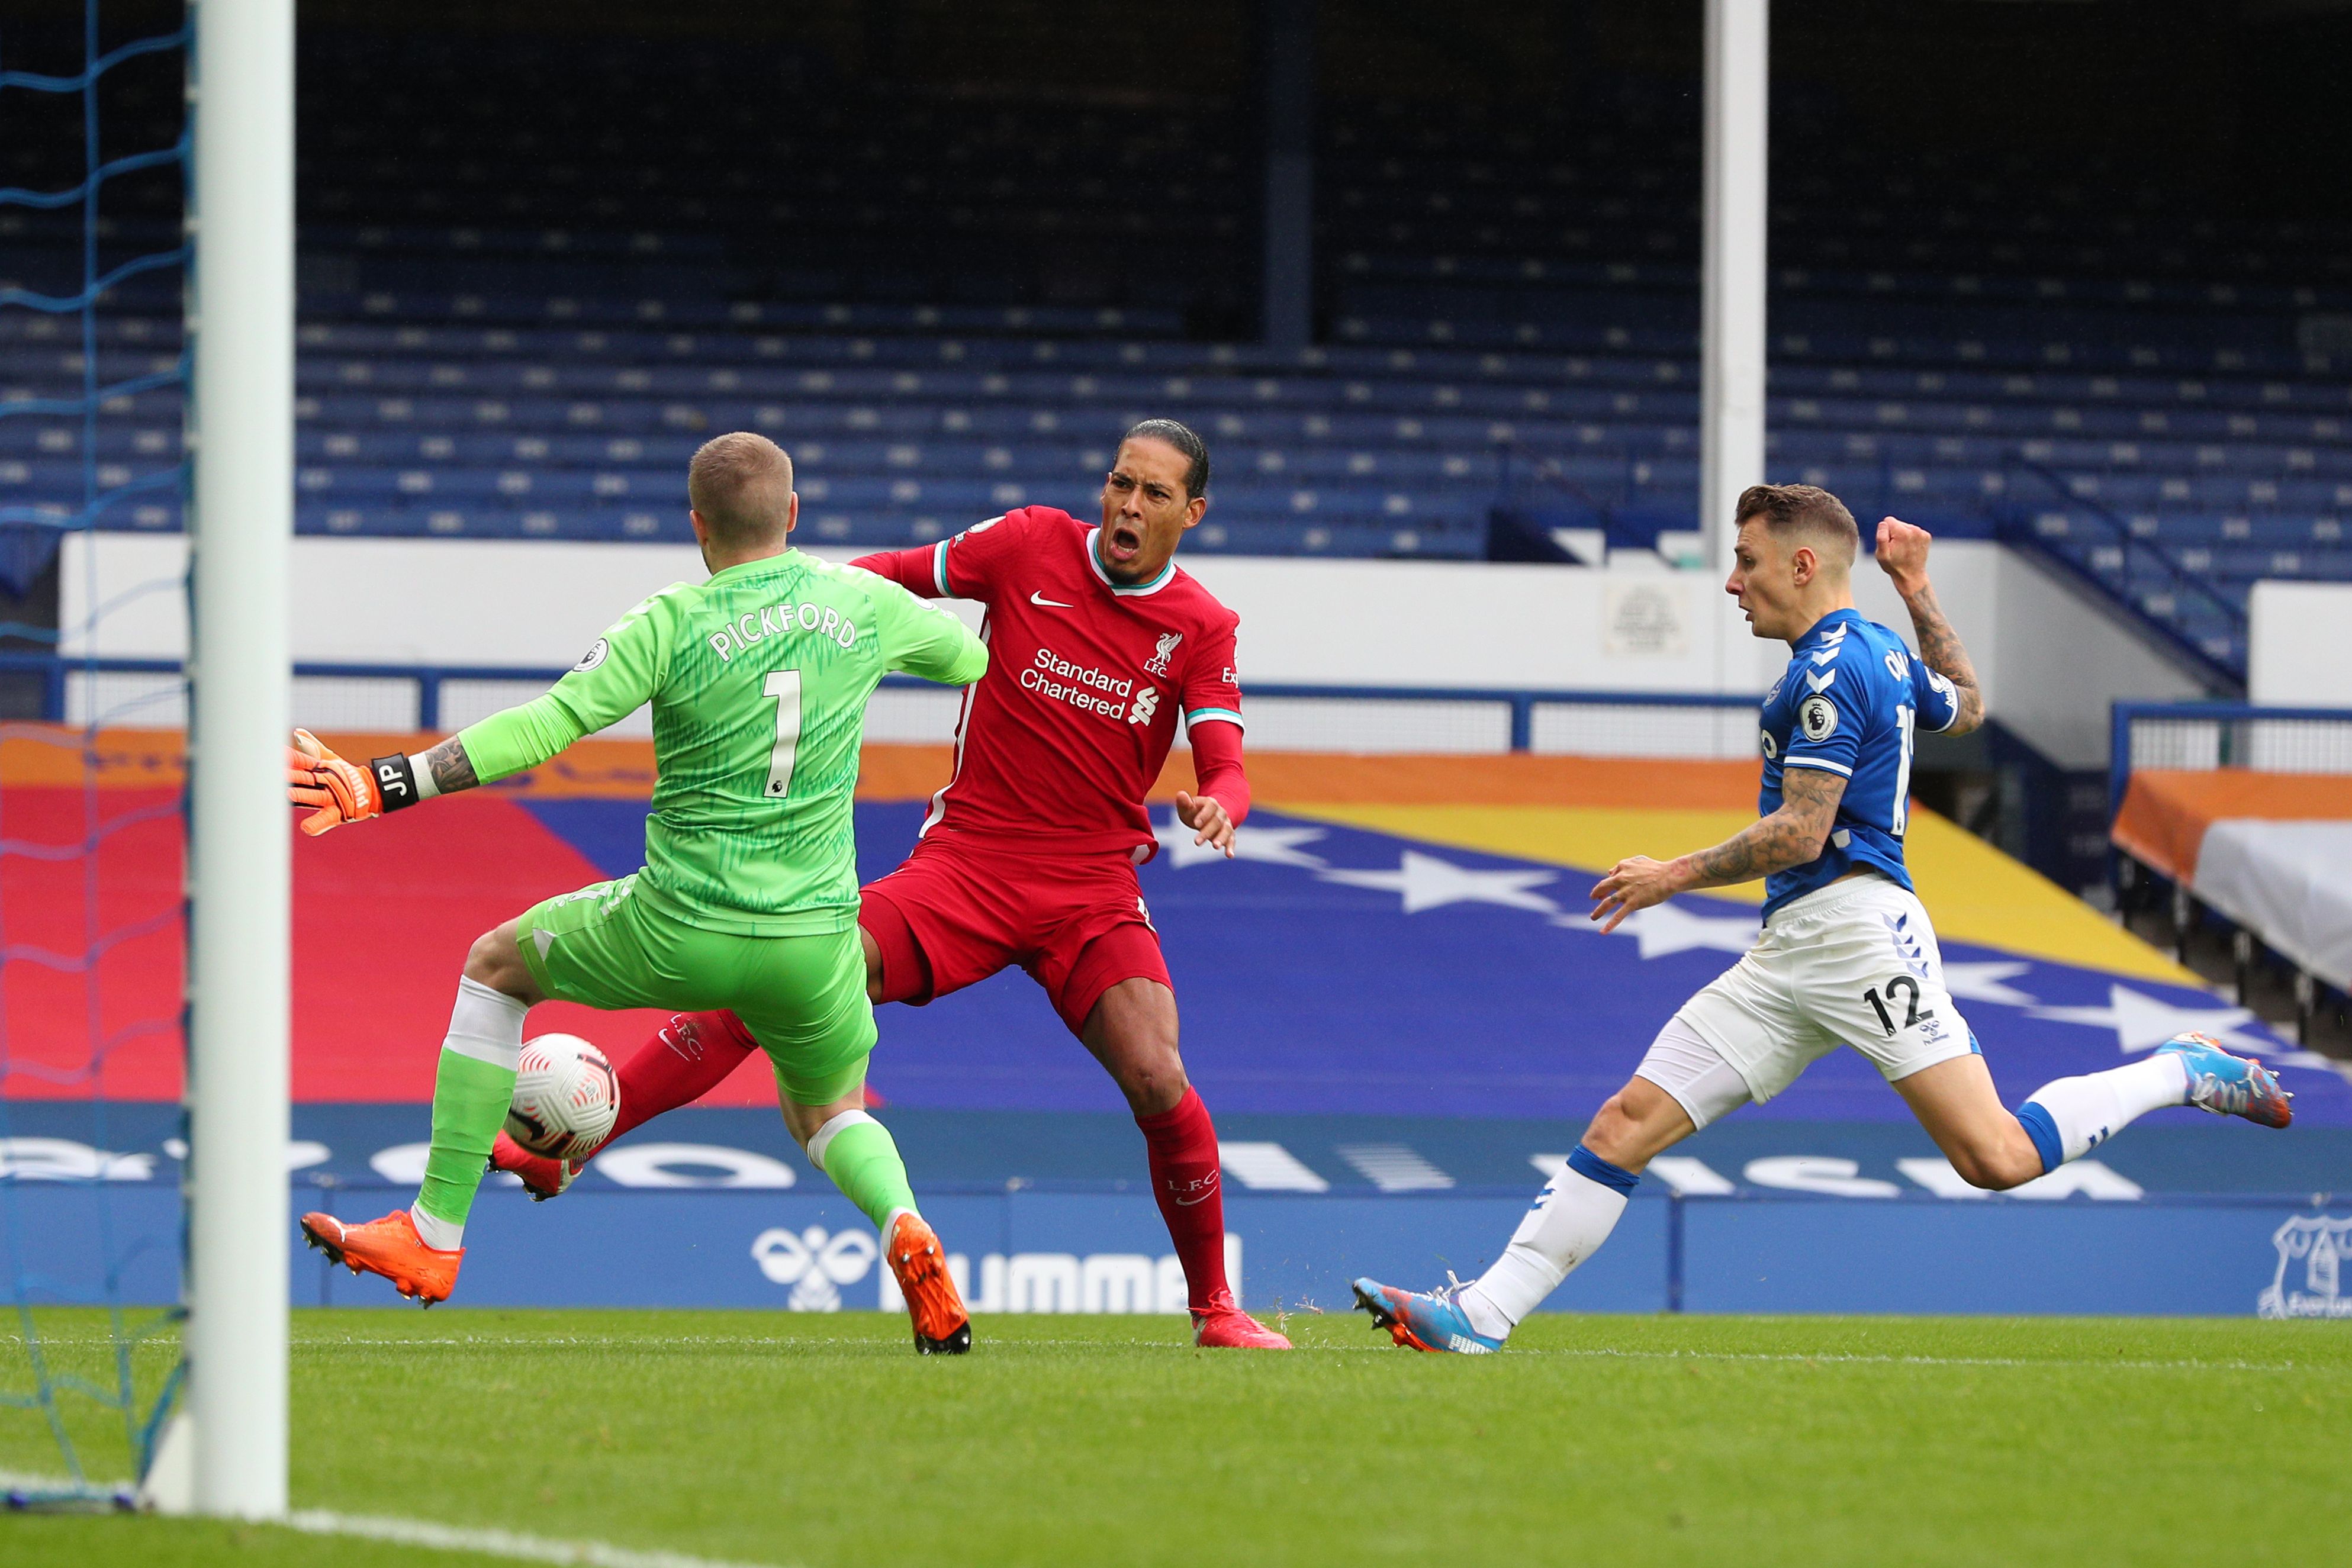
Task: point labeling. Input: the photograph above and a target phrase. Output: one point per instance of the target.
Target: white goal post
(1732, 277)
(241, 427)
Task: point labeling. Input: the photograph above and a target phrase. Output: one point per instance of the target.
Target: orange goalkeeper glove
(335, 790)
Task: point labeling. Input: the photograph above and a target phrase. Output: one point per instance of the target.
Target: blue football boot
(2230, 1085)
(1432, 1320)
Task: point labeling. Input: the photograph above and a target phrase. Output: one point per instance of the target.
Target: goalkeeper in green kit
(758, 679)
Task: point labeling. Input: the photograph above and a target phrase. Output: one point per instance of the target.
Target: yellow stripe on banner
(1975, 894)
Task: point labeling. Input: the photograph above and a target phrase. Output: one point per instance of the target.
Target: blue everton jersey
(1851, 700)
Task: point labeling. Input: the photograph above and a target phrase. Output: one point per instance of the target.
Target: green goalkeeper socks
(862, 1158)
(471, 1090)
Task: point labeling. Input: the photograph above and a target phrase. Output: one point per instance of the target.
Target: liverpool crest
(1158, 664)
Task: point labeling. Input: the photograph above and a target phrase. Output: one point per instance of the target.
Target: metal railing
(2017, 527)
(2200, 737)
(2206, 738)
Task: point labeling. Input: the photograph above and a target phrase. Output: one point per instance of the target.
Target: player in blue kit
(1847, 956)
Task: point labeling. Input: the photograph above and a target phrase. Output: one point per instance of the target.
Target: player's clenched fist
(1903, 553)
(334, 790)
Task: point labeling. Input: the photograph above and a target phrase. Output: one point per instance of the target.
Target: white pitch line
(697, 1343)
(495, 1543)
(1841, 1359)
(436, 1537)
(2190, 1364)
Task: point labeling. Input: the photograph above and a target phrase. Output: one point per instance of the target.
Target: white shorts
(1854, 963)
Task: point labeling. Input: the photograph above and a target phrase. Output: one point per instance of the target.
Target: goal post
(1733, 222)
(241, 425)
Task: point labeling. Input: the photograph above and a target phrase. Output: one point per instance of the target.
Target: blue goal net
(93, 372)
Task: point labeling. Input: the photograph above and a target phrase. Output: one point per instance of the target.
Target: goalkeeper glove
(339, 791)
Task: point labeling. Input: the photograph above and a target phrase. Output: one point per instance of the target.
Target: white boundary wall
(2300, 645)
(2051, 659)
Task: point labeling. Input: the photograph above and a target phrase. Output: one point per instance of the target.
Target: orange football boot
(389, 1247)
(941, 1325)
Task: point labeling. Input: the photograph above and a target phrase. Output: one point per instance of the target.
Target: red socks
(1183, 1145)
(685, 1061)
(694, 1052)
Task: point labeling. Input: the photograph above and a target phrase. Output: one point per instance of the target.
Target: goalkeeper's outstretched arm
(618, 677)
(336, 790)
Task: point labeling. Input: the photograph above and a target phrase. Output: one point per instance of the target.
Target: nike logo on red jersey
(1039, 599)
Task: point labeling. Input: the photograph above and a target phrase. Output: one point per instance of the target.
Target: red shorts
(955, 914)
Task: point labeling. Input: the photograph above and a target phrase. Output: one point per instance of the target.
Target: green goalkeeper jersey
(759, 680)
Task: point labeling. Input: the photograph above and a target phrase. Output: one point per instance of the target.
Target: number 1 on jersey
(785, 685)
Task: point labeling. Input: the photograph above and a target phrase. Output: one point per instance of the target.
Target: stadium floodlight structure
(241, 327)
(1732, 261)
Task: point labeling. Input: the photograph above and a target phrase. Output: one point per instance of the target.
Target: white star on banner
(1273, 846)
(1664, 928)
(1985, 983)
(1427, 883)
(2143, 1023)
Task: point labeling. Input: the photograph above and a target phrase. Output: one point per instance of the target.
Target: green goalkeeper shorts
(803, 998)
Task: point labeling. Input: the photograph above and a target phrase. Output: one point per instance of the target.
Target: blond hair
(741, 483)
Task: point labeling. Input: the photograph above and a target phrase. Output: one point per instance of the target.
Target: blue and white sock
(1572, 1217)
(2069, 1118)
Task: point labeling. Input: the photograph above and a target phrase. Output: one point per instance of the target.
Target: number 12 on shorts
(1912, 1011)
(785, 685)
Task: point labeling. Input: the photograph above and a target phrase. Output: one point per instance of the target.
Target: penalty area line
(494, 1543)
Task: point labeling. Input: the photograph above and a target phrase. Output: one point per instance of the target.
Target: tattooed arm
(1789, 836)
(335, 790)
(1902, 556)
(448, 766)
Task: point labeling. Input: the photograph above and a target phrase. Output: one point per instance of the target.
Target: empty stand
(522, 307)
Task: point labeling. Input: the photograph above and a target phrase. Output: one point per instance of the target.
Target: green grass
(823, 1441)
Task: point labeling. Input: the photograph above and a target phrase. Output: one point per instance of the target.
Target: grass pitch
(825, 1443)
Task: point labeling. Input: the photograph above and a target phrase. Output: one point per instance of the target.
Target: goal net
(112, 1158)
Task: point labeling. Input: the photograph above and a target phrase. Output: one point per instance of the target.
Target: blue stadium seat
(483, 372)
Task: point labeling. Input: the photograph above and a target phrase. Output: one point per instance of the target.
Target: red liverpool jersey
(1059, 741)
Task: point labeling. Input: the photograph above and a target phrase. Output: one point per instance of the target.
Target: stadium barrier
(1027, 1249)
(411, 698)
(2240, 815)
(1768, 1216)
(2202, 737)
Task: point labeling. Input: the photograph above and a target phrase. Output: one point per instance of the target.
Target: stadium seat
(1512, 310)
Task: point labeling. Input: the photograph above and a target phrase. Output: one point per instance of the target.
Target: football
(566, 1097)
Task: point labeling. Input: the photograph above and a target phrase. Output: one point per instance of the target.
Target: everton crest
(2315, 1252)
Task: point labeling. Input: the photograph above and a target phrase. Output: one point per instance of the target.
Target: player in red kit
(1096, 644)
